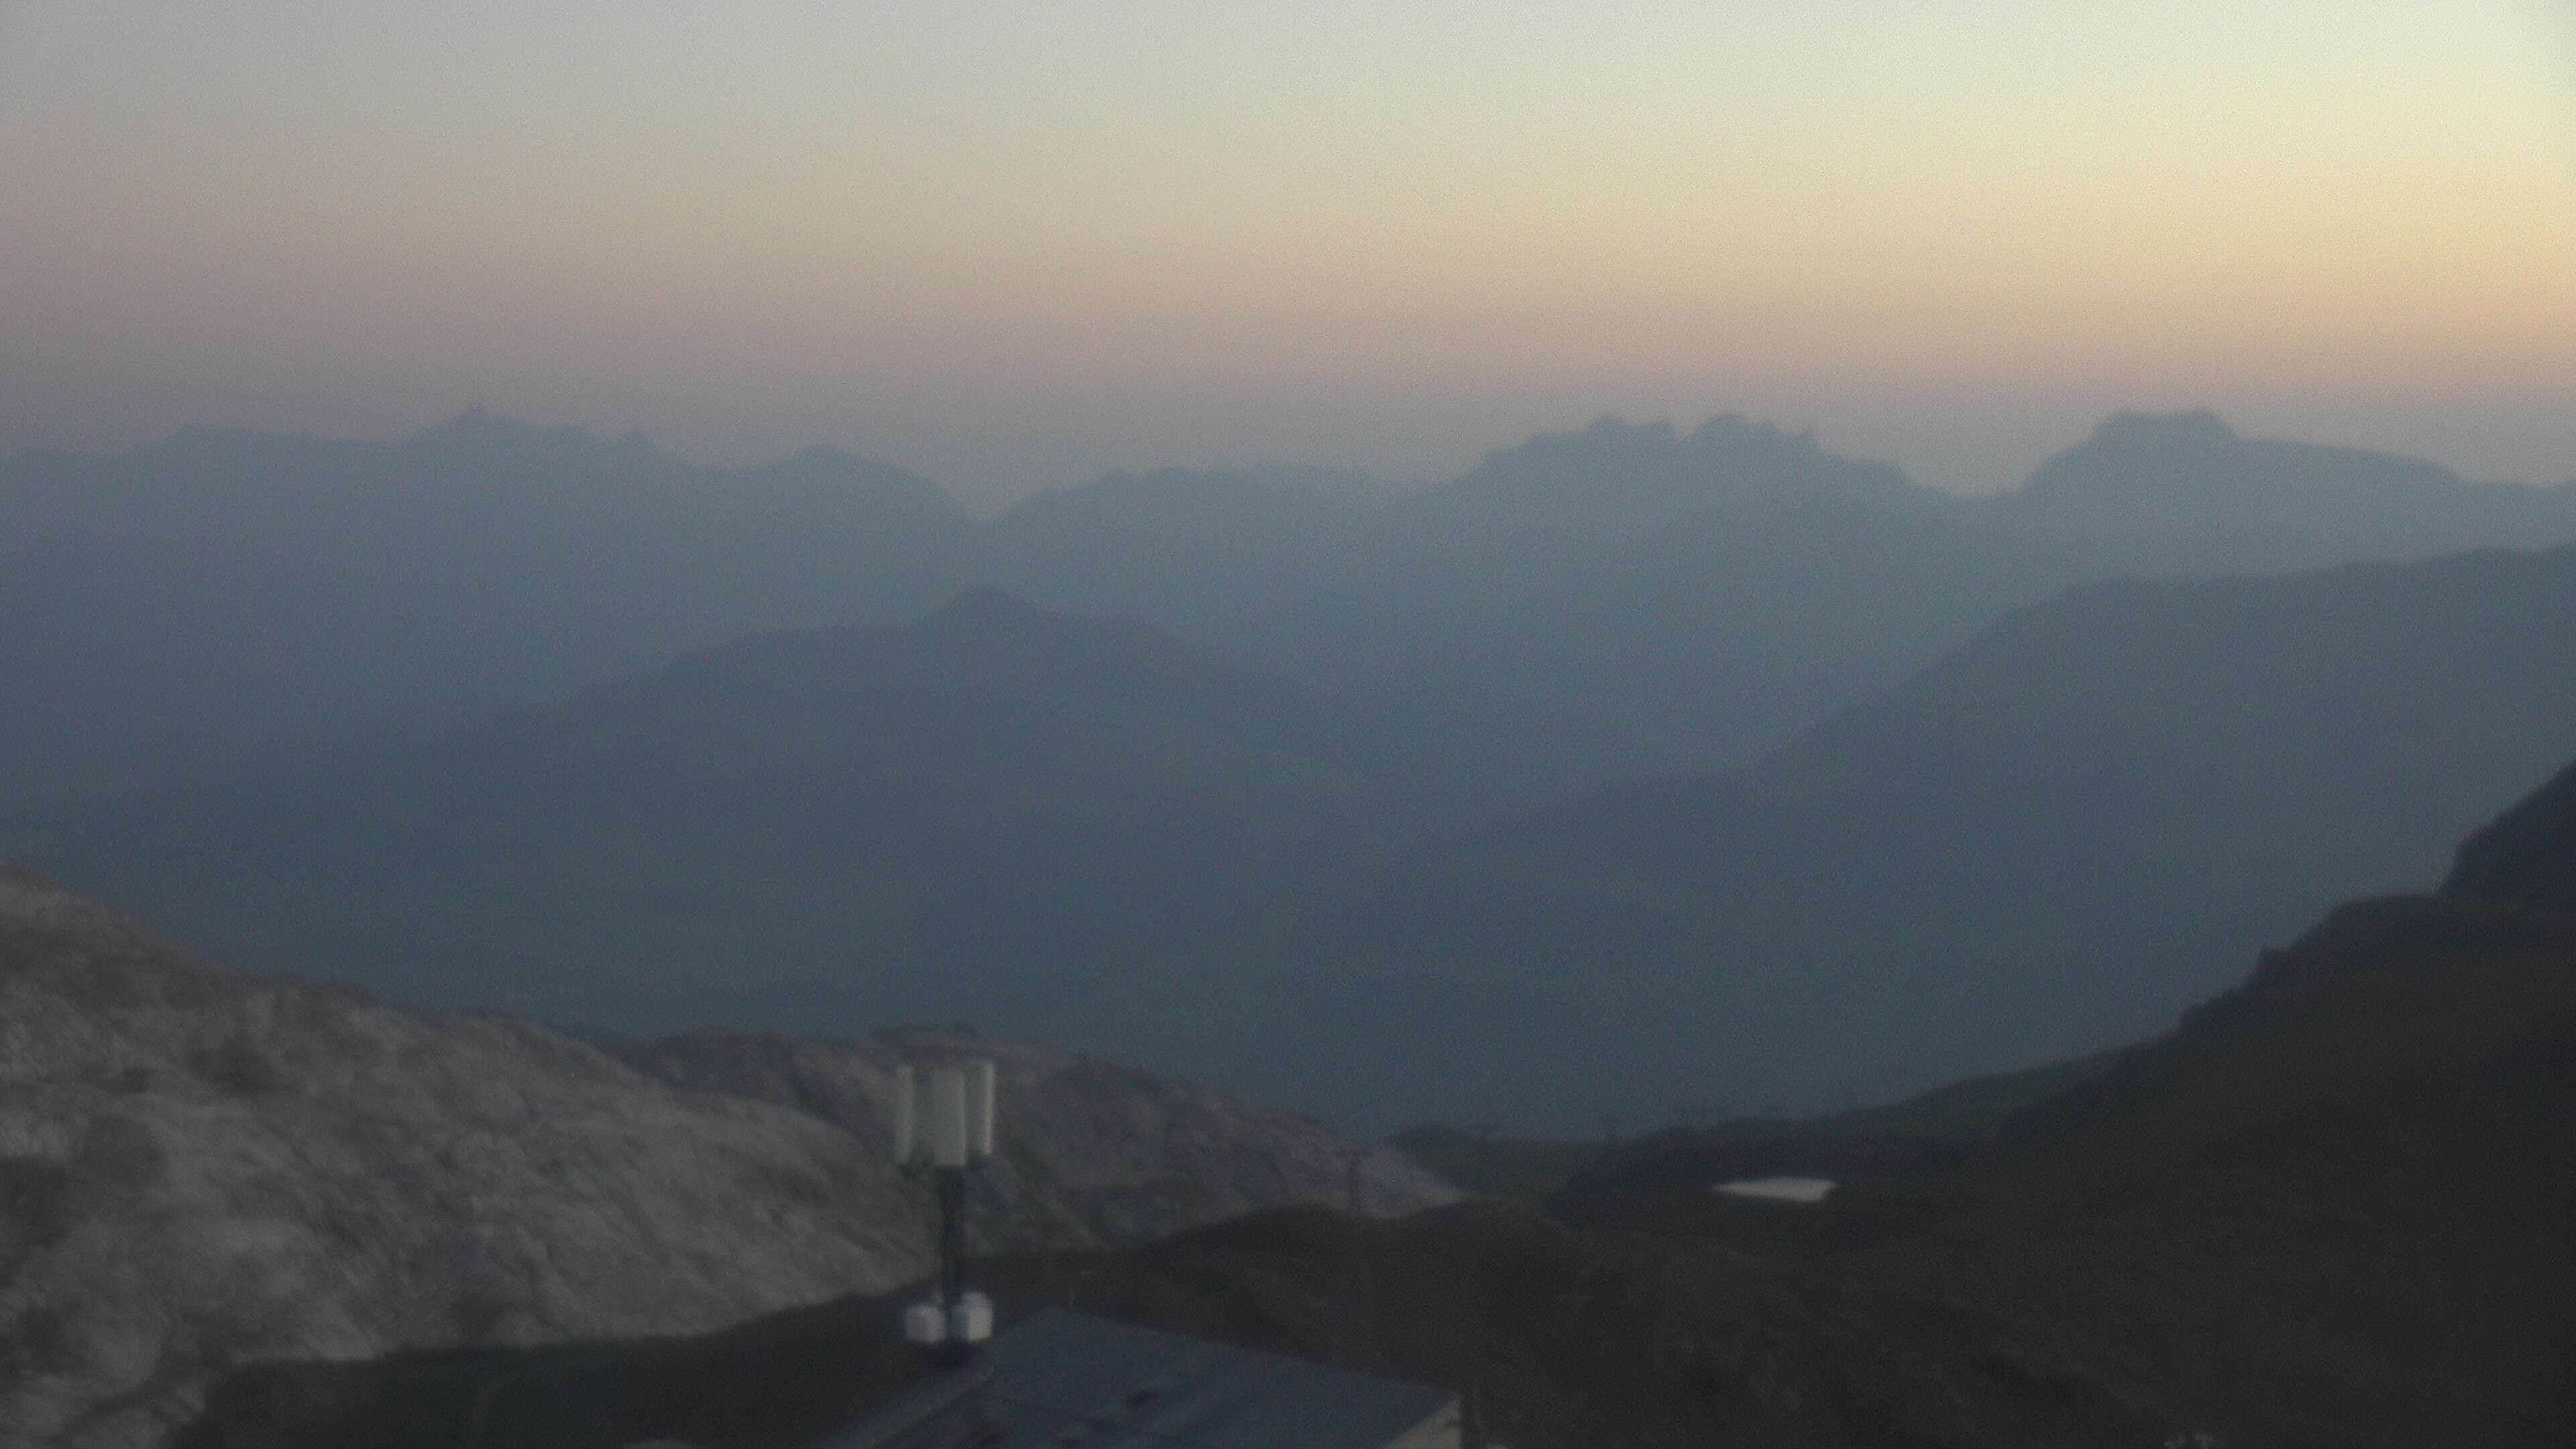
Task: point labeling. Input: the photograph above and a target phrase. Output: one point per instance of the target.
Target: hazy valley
(1776, 776)
(1703, 783)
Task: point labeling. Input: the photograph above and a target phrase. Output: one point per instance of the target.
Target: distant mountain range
(997, 812)
(223, 596)
(2183, 493)
(2048, 843)
(1621, 600)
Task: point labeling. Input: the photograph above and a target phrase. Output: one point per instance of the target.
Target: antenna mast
(958, 1113)
(1351, 1347)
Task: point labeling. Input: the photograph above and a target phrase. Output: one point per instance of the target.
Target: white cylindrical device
(948, 1142)
(970, 1318)
(981, 1081)
(906, 1098)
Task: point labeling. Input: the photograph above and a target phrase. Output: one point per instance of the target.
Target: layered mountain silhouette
(2184, 492)
(2048, 843)
(1620, 600)
(1634, 769)
(229, 595)
(998, 812)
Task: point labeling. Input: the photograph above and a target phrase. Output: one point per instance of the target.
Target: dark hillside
(999, 812)
(2528, 856)
(1196, 553)
(2336, 1204)
(2048, 843)
(1564, 1340)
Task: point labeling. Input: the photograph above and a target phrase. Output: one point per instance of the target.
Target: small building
(1064, 1380)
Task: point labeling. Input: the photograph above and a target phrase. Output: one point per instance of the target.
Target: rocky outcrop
(2528, 856)
(199, 1169)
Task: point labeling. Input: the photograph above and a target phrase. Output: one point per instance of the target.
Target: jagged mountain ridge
(2185, 493)
(1031, 818)
(2045, 845)
(2361, 1153)
(2527, 855)
(202, 1168)
(2330, 1206)
(225, 594)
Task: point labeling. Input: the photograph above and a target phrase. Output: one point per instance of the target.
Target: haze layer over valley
(1391, 801)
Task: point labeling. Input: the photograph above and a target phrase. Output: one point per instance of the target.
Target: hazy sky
(1016, 243)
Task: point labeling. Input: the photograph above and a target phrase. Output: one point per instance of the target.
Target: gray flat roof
(1062, 1380)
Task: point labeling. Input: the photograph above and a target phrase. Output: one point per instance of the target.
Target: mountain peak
(1736, 433)
(2194, 429)
(479, 429)
(1616, 476)
(2527, 856)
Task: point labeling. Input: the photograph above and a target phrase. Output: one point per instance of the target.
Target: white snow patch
(1807, 1190)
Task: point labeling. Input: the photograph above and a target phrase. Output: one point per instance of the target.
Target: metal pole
(1351, 1347)
(951, 1185)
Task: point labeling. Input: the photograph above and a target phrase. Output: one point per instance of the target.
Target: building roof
(1067, 1381)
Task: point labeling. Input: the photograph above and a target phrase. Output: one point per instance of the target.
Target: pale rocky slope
(199, 1168)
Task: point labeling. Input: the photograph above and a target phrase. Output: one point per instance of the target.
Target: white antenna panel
(981, 1081)
(906, 1100)
(948, 1142)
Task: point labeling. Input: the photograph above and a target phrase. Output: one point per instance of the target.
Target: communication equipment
(943, 1127)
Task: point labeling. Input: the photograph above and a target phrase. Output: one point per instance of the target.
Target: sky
(1013, 244)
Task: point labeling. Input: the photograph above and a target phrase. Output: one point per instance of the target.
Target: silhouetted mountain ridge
(2527, 855)
(1628, 598)
(230, 594)
(2184, 492)
(2046, 844)
(1615, 477)
(1053, 816)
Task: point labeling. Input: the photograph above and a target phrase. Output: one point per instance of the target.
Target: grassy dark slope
(1531, 1171)
(783, 1380)
(1564, 1340)
(2336, 1205)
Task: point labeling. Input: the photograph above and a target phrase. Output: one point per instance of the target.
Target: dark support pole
(950, 1183)
(1351, 1307)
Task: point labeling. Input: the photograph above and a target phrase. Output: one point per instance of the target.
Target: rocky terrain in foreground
(200, 1169)
(2331, 1207)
